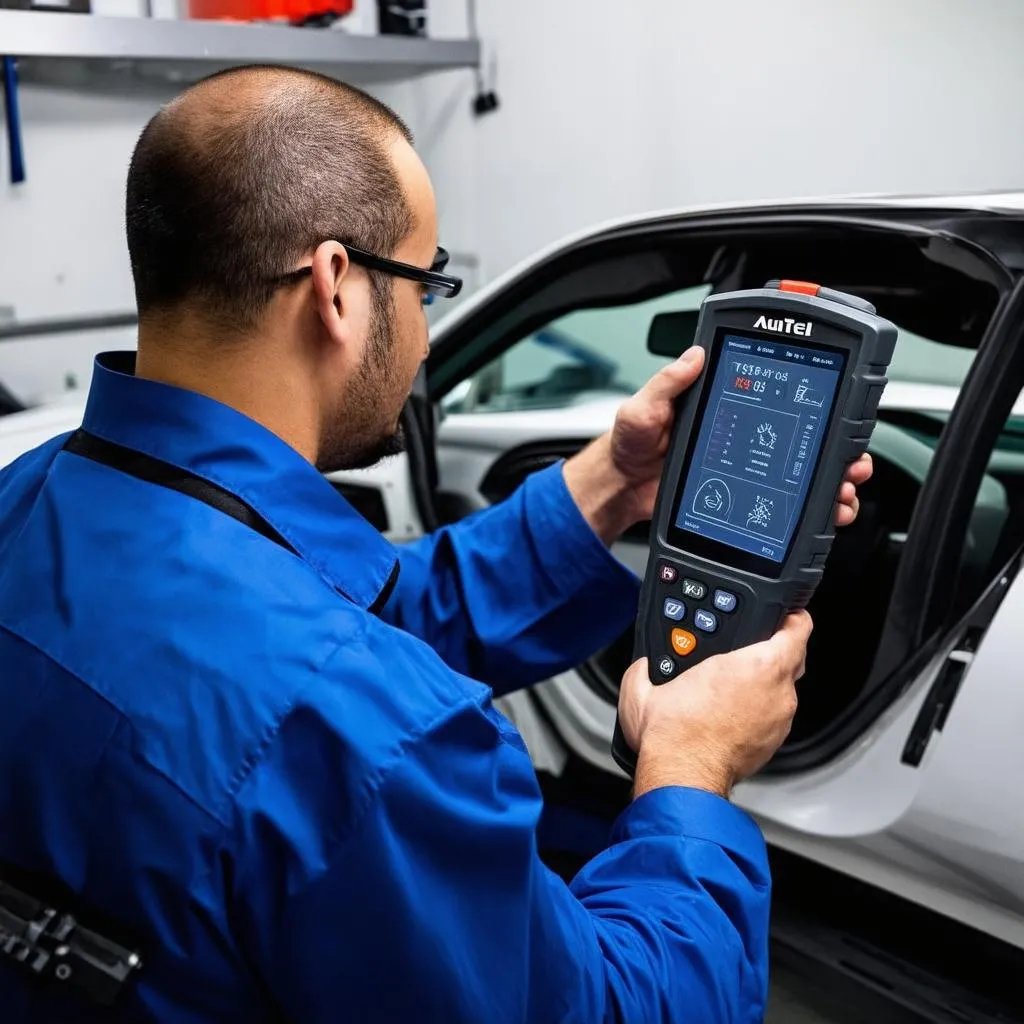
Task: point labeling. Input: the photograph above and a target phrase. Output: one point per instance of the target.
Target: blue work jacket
(306, 807)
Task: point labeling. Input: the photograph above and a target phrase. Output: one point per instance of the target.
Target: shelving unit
(128, 55)
(75, 48)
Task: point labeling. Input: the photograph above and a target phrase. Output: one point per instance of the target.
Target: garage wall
(612, 108)
(606, 109)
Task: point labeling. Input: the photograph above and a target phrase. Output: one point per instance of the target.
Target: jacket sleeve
(515, 593)
(435, 905)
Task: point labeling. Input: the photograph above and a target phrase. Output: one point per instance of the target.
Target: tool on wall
(402, 17)
(12, 115)
(486, 99)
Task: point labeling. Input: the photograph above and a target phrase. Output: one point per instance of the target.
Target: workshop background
(600, 109)
(605, 109)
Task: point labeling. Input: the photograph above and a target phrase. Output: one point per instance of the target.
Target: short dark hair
(243, 175)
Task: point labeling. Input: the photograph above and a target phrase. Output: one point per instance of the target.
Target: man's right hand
(720, 721)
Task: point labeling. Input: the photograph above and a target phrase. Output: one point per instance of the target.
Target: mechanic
(243, 725)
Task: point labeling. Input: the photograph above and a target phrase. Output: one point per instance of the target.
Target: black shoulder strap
(156, 471)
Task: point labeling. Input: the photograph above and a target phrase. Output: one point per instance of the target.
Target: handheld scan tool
(744, 518)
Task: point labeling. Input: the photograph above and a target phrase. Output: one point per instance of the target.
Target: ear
(331, 267)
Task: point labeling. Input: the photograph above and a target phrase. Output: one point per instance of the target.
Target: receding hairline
(216, 158)
(235, 90)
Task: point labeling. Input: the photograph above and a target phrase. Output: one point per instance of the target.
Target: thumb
(790, 642)
(798, 625)
(633, 693)
(669, 383)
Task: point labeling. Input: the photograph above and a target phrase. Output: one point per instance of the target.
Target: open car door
(534, 368)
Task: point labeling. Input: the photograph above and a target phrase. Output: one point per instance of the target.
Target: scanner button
(667, 573)
(691, 588)
(667, 667)
(674, 609)
(871, 400)
(683, 641)
(706, 622)
(724, 601)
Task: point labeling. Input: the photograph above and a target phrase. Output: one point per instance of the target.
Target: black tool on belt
(59, 944)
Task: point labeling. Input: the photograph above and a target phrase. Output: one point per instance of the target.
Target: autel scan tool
(744, 517)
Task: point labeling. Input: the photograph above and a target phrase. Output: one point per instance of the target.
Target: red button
(804, 287)
(667, 573)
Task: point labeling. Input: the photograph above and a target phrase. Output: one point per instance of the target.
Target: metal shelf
(79, 47)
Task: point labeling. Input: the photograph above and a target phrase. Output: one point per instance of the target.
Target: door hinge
(935, 710)
(936, 707)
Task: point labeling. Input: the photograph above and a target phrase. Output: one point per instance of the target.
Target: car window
(920, 361)
(594, 354)
(584, 356)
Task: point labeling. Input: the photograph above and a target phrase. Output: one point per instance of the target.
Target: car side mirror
(671, 334)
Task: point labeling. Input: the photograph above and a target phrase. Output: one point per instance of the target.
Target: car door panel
(976, 765)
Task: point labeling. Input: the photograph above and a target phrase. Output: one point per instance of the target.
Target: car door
(538, 367)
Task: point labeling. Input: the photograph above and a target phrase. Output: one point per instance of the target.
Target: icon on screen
(713, 499)
(761, 513)
(766, 435)
(808, 396)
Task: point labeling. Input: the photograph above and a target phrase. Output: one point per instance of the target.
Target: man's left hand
(615, 479)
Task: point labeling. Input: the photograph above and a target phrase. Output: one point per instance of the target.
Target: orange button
(804, 287)
(683, 641)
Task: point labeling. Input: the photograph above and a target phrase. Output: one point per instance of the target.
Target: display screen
(764, 420)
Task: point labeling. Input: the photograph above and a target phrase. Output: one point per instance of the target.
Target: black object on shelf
(67, 6)
(402, 17)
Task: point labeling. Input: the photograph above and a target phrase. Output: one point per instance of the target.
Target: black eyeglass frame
(436, 283)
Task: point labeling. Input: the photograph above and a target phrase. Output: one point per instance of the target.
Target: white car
(905, 767)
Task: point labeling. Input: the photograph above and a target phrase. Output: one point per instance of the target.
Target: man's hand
(720, 721)
(615, 480)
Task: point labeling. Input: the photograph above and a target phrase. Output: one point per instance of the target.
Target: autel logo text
(784, 325)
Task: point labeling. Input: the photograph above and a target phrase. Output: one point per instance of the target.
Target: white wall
(612, 108)
(607, 108)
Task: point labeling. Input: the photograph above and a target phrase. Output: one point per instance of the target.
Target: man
(242, 725)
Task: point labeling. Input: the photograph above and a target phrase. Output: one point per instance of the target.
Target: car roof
(995, 202)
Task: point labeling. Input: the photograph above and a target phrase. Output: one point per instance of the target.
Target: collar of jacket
(220, 444)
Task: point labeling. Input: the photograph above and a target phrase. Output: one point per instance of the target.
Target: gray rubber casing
(763, 601)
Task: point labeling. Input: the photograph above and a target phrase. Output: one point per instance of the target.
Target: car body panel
(968, 202)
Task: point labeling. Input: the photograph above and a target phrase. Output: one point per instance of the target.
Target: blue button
(674, 609)
(724, 601)
(705, 621)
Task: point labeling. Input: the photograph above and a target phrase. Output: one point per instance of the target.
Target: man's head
(254, 174)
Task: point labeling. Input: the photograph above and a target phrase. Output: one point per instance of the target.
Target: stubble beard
(360, 433)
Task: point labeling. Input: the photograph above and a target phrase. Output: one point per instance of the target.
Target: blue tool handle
(14, 147)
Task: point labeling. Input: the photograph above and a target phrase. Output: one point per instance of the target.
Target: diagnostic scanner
(744, 519)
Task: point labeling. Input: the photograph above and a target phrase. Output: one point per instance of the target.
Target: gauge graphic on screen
(713, 499)
(808, 396)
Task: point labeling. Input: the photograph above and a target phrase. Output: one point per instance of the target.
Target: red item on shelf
(295, 11)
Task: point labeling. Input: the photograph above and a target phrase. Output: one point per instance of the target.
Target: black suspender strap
(156, 471)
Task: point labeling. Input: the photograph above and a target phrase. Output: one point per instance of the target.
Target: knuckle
(647, 419)
(791, 704)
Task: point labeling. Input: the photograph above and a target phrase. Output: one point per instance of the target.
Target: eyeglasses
(435, 282)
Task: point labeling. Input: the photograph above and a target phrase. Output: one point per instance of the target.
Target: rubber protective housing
(763, 601)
